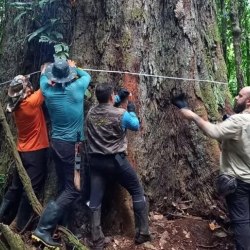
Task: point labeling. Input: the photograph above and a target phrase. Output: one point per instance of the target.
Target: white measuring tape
(150, 75)
(137, 74)
(25, 75)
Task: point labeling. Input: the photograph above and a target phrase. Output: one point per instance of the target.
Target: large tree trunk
(246, 38)
(174, 160)
(223, 16)
(236, 31)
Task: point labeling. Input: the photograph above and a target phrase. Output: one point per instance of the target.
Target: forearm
(43, 80)
(82, 73)
(207, 127)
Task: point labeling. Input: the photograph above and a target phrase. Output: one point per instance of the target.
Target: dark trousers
(63, 154)
(34, 163)
(239, 212)
(117, 168)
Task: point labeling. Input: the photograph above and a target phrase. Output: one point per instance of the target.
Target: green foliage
(47, 29)
(225, 26)
(2, 183)
(2, 16)
(61, 51)
(2, 179)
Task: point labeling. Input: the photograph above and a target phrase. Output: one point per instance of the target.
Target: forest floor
(182, 233)
(185, 233)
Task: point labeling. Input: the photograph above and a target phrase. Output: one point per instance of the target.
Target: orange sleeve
(36, 99)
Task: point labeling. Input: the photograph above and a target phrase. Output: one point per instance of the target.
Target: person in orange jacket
(32, 144)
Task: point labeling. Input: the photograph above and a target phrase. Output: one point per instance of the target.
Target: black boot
(47, 225)
(24, 214)
(8, 210)
(96, 229)
(141, 226)
(66, 217)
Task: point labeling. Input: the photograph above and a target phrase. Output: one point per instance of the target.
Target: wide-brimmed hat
(60, 71)
(17, 86)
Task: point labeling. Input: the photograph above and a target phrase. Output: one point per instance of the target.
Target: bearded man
(234, 179)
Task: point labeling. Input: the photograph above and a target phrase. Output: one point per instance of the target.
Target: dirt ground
(187, 233)
(183, 233)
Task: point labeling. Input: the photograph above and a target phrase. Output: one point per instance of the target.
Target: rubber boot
(24, 214)
(47, 225)
(8, 210)
(96, 229)
(65, 219)
(141, 226)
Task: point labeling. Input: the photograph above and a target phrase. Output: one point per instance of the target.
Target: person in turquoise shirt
(63, 86)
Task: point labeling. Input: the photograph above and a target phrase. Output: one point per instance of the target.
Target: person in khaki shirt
(234, 133)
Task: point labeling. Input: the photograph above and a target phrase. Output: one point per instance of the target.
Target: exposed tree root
(14, 240)
(3, 246)
(72, 239)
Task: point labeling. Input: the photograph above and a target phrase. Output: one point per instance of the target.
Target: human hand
(44, 66)
(71, 63)
(77, 180)
(131, 107)
(179, 101)
(123, 94)
(225, 116)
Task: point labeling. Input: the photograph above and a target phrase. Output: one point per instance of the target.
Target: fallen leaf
(158, 217)
(220, 234)
(149, 246)
(163, 239)
(213, 226)
(116, 242)
(174, 231)
(187, 234)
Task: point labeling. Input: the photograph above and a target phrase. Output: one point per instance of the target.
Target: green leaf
(43, 3)
(65, 47)
(17, 18)
(62, 47)
(53, 20)
(61, 55)
(58, 48)
(37, 32)
(45, 39)
(58, 35)
(21, 4)
(88, 94)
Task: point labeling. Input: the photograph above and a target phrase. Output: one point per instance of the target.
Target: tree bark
(172, 38)
(176, 38)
